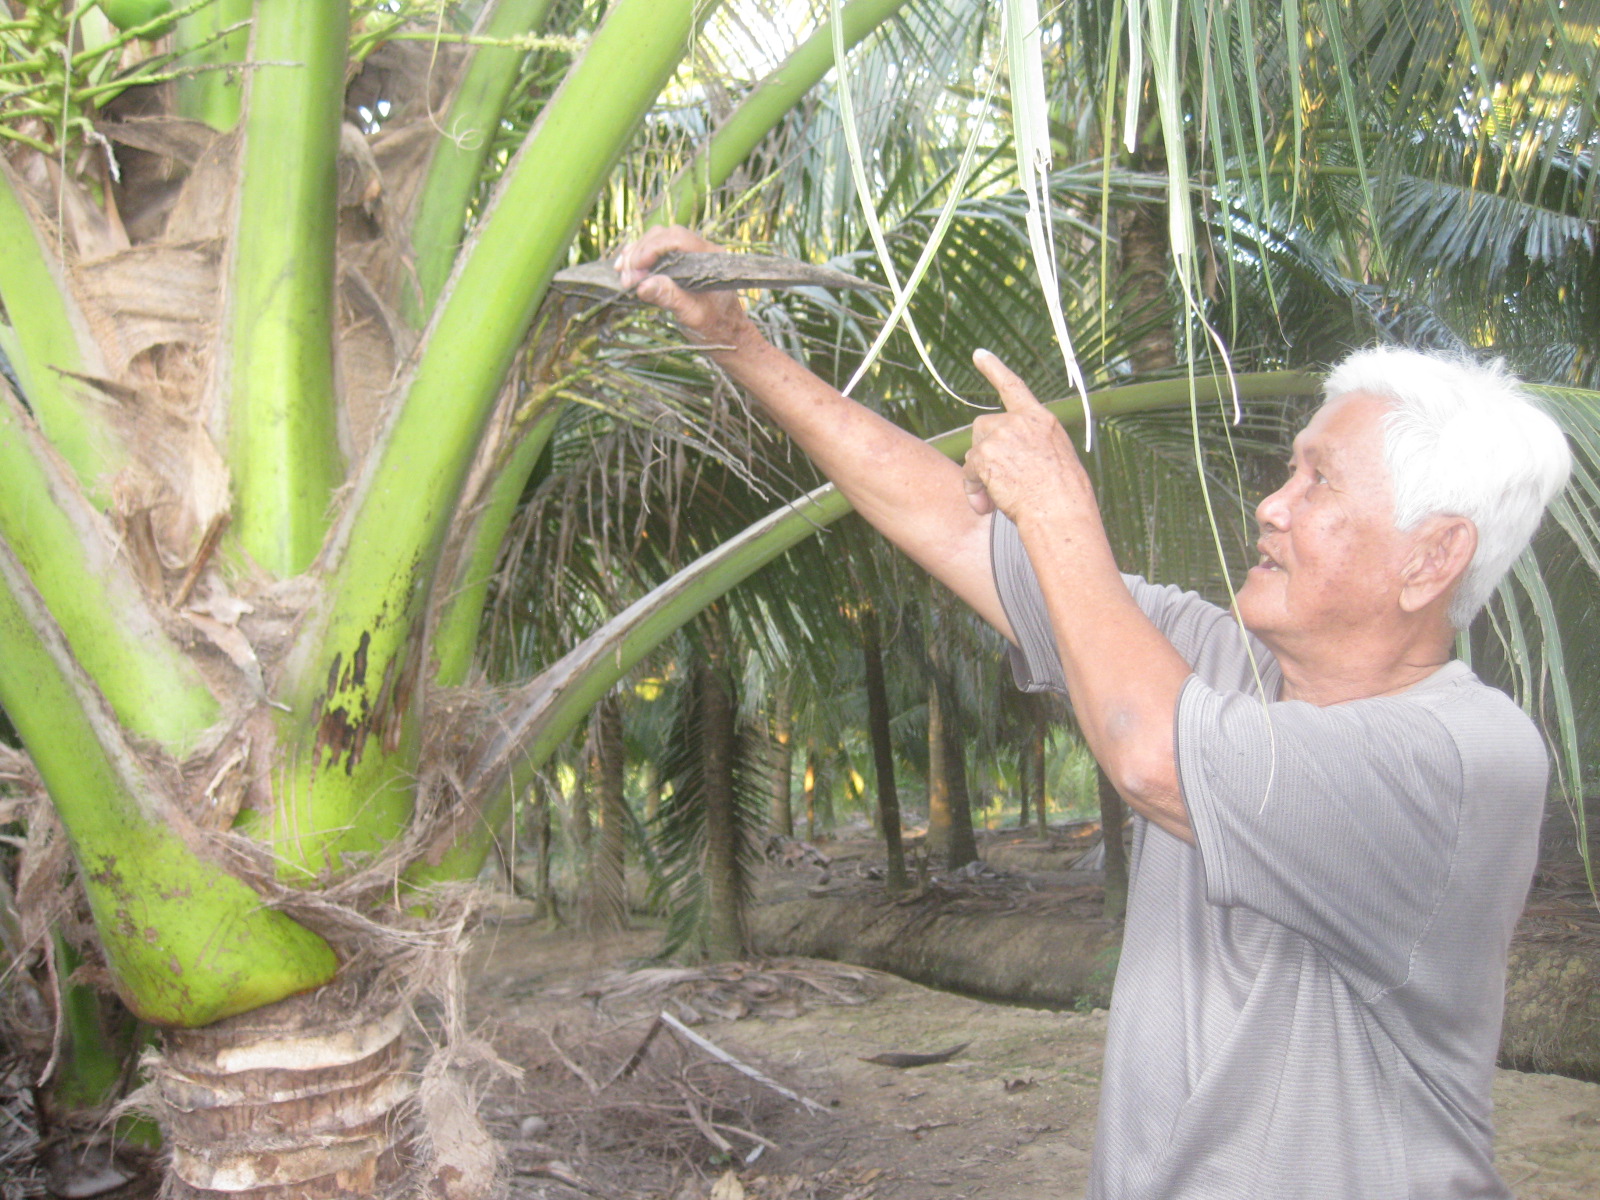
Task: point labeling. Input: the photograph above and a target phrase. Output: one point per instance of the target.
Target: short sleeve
(1207, 637)
(1035, 660)
(1339, 822)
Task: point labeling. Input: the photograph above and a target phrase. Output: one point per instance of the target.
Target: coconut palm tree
(278, 383)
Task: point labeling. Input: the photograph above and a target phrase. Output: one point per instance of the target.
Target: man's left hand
(1022, 460)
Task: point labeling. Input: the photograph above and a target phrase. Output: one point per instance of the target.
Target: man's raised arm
(910, 492)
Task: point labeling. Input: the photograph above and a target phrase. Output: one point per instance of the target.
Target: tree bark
(936, 845)
(882, 752)
(652, 793)
(1142, 230)
(302, 1100)
(607, 907)
(782, 765)
(726, 934)
(541, 829)
(829, 773)
(950, 834)
(963, 844)
(1024, 788)
(580, 822)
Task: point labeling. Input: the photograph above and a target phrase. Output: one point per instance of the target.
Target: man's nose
(1273, 511)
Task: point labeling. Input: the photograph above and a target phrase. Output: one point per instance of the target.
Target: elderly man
(1337, 822)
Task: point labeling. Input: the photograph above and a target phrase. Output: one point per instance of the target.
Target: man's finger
(635, 260)
(1014, 394)
(689, 309)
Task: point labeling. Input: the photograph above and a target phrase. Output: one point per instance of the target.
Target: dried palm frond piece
(733, 991)
(894, 1058)
(712, 271)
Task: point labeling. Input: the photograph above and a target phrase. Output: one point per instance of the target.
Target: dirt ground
(1009, 1116)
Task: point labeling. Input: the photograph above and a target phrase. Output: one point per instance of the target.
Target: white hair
(1463, 439)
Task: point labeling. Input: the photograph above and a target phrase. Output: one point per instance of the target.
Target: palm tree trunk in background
(809, 783)
(936, 846)
(579, 822)
(1024, 788)
(726, 936)
(540, 829)
(827, 772)
(1143, 256)
(963, 847)
(882, 753)
(607, 908)
(782, 765)
(1036, 768)
(949, 805)
(652, 792)
(950, 835)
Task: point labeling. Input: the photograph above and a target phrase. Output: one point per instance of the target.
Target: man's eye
(1318, 477)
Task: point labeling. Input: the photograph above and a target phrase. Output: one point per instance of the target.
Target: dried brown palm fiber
(31, 902)
(154, 155)
(202, 211)
(150, 295)
(372, 343)
(178, 139)
(85, 230)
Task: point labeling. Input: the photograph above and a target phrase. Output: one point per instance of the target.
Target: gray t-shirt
(1308, 1002)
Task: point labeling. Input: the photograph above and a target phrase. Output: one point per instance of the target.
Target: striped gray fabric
(1309, 1000)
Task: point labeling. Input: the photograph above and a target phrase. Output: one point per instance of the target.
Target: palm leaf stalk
(69, 555)
(277, 368)
(52, 330)
(457, 166)
(90, 590)
(766, 104)
(155, 901)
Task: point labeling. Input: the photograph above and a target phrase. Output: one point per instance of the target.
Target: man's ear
(1442, 552)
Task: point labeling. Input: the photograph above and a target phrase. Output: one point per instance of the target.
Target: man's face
(1331, 558)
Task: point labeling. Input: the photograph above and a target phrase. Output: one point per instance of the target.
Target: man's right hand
(716, 320)
(906, 488)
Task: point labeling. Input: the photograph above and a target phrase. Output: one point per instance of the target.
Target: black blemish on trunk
(346, 716)
(358, 663)
(335, 735)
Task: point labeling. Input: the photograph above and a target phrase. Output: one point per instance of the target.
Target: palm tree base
(309, 1098)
